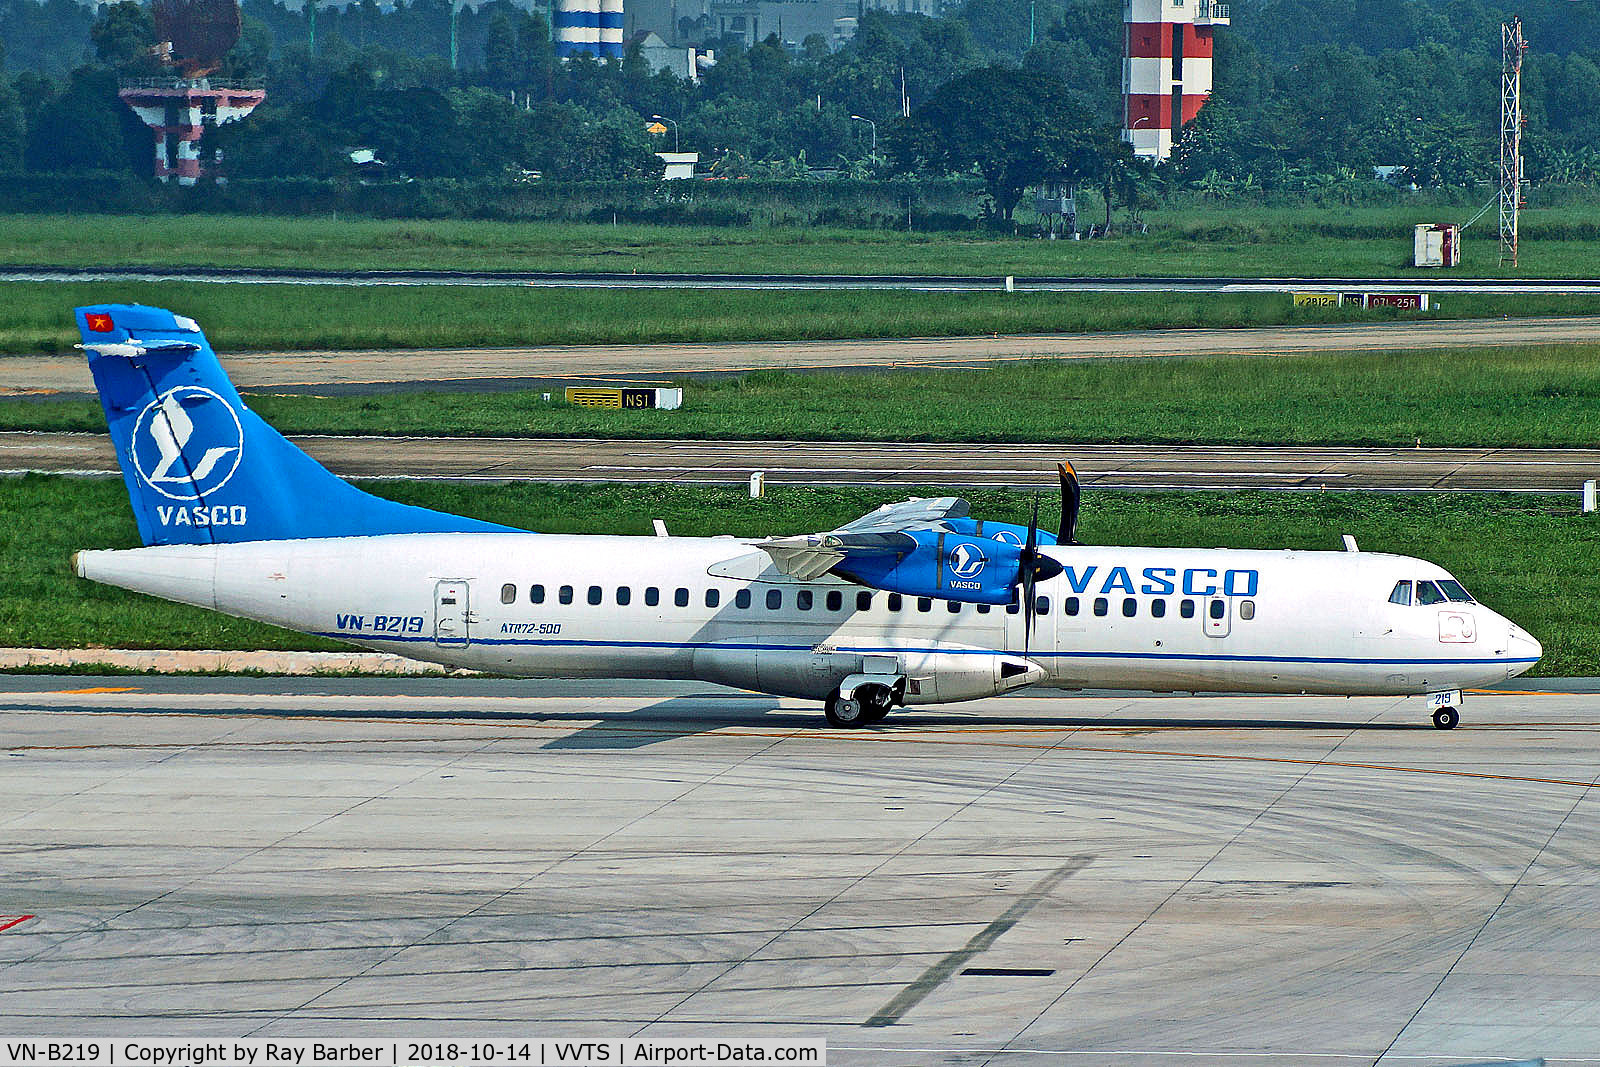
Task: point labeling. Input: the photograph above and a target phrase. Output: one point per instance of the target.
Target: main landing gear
(1444, 705)
(865, 704)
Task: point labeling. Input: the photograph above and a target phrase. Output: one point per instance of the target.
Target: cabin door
(452, 614)
(1219, 616)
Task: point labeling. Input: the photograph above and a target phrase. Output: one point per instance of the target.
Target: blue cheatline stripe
(735, 646)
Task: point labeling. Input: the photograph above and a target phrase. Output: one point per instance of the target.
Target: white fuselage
(716, 609)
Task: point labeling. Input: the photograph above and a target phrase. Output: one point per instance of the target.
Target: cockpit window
(1401, 594)
(1456, 591)
(1428, 593)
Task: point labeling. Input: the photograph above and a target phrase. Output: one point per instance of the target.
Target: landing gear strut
(1446, 718)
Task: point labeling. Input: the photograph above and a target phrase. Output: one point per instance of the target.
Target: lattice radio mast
(1512, 48)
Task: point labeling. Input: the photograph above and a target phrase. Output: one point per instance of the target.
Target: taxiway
(504, 368)
(886, 464)
(1040, 879)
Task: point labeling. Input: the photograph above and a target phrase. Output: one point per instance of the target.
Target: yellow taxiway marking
(100, 689)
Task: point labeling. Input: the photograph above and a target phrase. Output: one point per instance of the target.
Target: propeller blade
(1070, 497)
(1027, 564)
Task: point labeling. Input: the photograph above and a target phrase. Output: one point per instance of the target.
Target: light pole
(874, 125)
(663, 118)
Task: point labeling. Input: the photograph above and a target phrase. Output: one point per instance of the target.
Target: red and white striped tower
(178, 110)
(1166, 68)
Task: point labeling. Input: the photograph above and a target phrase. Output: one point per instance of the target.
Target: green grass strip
(37, 316)
(1205, 240)
(1529, 558)
(1531, 397)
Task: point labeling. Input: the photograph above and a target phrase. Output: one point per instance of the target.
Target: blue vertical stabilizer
(200, 466)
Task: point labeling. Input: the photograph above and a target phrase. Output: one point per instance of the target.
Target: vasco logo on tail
(164, 431)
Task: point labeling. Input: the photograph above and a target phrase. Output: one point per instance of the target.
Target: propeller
(1069, 504)
(1032, 567)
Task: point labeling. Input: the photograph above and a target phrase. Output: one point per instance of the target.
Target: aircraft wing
(884, 534)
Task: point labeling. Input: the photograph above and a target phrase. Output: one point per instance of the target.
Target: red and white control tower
(1166, 68)
(178, 110)
(195, 36)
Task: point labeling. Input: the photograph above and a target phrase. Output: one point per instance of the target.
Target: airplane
(917, 603)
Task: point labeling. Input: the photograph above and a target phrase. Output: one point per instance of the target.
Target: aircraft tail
(201, 467)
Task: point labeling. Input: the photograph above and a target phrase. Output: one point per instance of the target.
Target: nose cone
(1522, 651)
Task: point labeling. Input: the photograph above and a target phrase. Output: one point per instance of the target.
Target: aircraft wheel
(844, 714)
(1446, 718)
(877, 701)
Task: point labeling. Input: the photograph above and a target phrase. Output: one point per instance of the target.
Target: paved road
(523, 367)
(888, 465)
(1102, 880)
(915, 282)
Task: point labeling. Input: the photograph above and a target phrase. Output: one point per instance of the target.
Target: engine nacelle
(949, 566)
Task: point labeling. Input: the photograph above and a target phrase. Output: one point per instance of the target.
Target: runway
(886, 464)
(505, 368)
(935, 283)
(1102, 879)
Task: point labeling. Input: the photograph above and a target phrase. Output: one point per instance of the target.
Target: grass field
(37, 317)
(1541, 396)
(1211, 239)
(1530, 558)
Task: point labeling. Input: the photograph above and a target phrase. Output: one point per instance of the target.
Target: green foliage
(123, 35)
(1529, 558)
(1017, 128)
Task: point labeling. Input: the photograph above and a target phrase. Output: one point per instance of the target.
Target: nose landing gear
(1444, 705)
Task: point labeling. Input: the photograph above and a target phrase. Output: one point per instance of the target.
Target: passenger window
(536, 594)
(1219, 608)
(1158, 609)
(1428, 593)
(713, 597)
(924, 603)
(952, 606)
(1456, 591)
(624, 596)
(1042, 605)
(1071, 605)
(652, 595)
(1015, 605)
(1186, 609)
(508, 594)
(565, 595)
(1130, 607)
(895, 601)
(835, 600)
(595, 594)
(983, 609)
(680, 597)
(774, 599)
(802, 600)
(1101, 605)
(863, 601)
(1401, 594)
(741, 599)
(1247, 610)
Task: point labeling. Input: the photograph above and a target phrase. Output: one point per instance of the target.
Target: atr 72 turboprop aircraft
(916, 603)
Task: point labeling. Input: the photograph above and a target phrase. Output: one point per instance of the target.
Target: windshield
(1455, 591)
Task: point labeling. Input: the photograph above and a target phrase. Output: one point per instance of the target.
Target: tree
(1018, 128)
(1122, 177)
(13, 128)
(123, 36)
